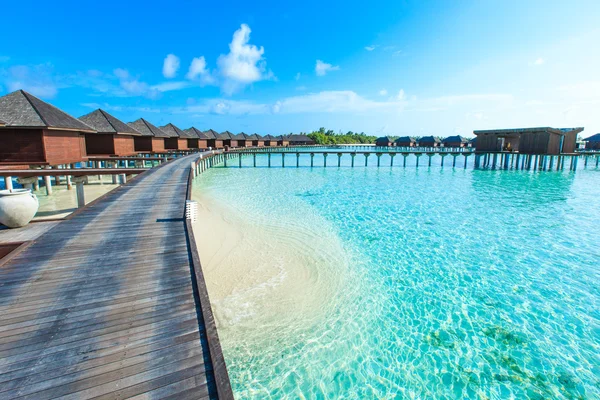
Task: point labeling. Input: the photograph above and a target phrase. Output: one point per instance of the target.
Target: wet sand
(266, 275)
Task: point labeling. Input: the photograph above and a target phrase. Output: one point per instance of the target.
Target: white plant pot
(17, 207)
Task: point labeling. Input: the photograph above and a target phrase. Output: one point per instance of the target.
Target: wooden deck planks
(102, 304)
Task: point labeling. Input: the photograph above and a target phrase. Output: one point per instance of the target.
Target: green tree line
(329, 137)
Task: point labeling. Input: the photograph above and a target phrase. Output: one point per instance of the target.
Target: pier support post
(312, 159)
(8, 183)
(551, 163)
(122, 179)
(339, 155)
(239, 160)
(466, 158)
(283, 160)
(193, 167)
(254, 160)
(453, 160)
(79, 182)
(269, 159)
(378, 159)
(443, 155)
(28, 182)
(297, 160)
(418, 155)
(430, 155)
(404, 161)
(367, 159)
(48, 184)
(352, 158)
(324, 160)
(392, 155)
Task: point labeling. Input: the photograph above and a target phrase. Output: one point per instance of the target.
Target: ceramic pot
(17, 207)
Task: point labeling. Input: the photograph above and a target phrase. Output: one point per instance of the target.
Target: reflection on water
(436, 283)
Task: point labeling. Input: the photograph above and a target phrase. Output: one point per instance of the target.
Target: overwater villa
(270, 141)
(225, 138)
(152, 139)
(383, 141)
(256, 140)
(593, 142)
(214, 141)
(197, 138)
(300, 140)
(284, 140)
(406, 141)
(177, 138)
(113, 137)
(429, 141)
(544, 140)
(239, 139)
(37, 133)
(455, 141)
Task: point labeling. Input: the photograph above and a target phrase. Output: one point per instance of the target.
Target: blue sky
(385, 67)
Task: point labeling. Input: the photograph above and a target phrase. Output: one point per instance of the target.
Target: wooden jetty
(110, 303)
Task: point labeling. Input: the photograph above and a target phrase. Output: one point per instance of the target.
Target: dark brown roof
(225, 135)
(103, 122)
(212, 134)
(455, 139)
(239, 136)
(21, 109)
(298, 138)
(174, 131)
(405, 139)
(147, 129)
(254, 137)
(593, 138)
(429, 139)
(519, 131)
(195, 133)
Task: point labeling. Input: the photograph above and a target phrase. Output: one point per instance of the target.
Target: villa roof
(239, 136)
(212, 134)
(224, 135)
(382, 138)
(269, 137)
(593, 138)
(455, 138)
(195, 133)
(403, 139)
(147, 129)
(174, 131)
(518, 131)
(22, 109)
(429, 139)
(254, 136)
(298, 138)
(103, 122)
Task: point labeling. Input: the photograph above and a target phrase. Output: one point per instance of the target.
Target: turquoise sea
(450, 283)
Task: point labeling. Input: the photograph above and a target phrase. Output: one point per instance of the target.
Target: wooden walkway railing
(107, 304)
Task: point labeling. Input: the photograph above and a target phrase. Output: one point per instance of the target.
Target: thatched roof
(254, 136)
(455, 139)
(147, 129)
(103, 122)
(594, 138)
(239, 136)
(406, 139)
(225, 135)
(269, 137)
(22, 109)
(195, 133)
(383, 139)
(299, 138)
(429, 139)
(518, 131)
(211, 134)
(173, 131)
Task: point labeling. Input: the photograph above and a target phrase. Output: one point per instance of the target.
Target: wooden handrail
(71, 172)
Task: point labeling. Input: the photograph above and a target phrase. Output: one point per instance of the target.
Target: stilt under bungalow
(37, 133)
(152, 139)
(113, 137)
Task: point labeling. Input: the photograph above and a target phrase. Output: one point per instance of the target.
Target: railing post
(79, 182)
(8, 183)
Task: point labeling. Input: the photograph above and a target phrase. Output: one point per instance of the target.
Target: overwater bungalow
(213, 139)
(37, 133)
(246, 141)
(270, 141)
(544, 140)
(429, 141)
(196, 138)
(406, 141)
(239, 140)
(284, 140)
(152, 139)
(455, 141)
(300, 140)
(593, 142)
(383, 141)
(256, 140)
(225, 138)
(178, 139)
(113, 137)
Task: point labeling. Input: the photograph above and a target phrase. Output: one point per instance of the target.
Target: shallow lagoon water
(414, 283)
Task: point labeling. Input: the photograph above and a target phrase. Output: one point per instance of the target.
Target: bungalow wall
(454, 144)
(285, 142)
(142, 143)
(182, 144)
(99, 144)
(124, 145)
(494, 143)
(428, 144)
(158, 145)
(570, 143)
(21, 146)
(258, 143)
(203, 143)
(192, 143)
(383, 143)
(405, 144)
(64, 147)
(592, 146)
(215, 143)
(170, 143)
(539, 143)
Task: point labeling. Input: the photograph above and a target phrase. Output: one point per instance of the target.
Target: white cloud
(383, 92)
(321, 68)
(539, 61)
(297, 77)
(132, 86)
(370, 48)
(401, 96)
(244, 64)
(171, 86)
(39, 80)
(301, 88)
(199, 71)
(170, 66)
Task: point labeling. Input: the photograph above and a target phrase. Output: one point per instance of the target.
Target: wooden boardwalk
(104, 304)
